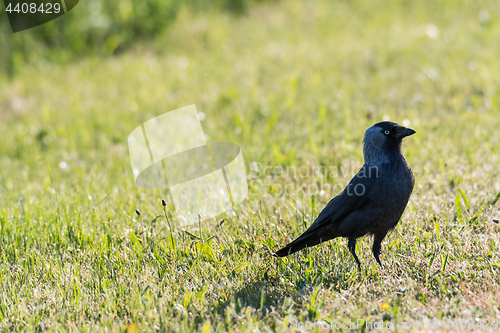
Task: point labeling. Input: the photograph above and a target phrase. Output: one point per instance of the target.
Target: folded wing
(353, 197)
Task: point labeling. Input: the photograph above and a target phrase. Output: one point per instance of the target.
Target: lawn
(295, 84)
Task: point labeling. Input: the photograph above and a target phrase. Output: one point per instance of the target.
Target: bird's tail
(305, 240)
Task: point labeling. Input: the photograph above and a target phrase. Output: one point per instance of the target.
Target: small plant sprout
(164, 204)
(199, 224)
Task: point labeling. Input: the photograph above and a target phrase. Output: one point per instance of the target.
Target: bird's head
(383, 141)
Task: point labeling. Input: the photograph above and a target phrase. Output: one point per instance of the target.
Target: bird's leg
(377, 247)
(352, 247)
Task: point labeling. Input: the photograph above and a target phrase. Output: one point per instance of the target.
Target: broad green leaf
(458, 206)
(241, 243)
(466, 201)
(444, 261)
(191, 235)
(239, 268)
(133, 328)
(494, 201)
(206, 327)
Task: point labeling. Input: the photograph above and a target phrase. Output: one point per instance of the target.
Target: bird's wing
(356, 194)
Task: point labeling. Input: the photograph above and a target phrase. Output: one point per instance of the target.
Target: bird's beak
(404, 132)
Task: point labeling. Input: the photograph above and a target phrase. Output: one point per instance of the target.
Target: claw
(352, 248)
(377, 250)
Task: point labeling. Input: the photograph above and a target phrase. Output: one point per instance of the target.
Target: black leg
(352, 247)
(377, 247)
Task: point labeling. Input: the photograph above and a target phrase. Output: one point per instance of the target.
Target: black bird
(373, 201)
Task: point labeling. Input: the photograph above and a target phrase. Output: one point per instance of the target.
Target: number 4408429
(32, 8)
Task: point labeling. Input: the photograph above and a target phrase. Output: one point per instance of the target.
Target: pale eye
(386, 132)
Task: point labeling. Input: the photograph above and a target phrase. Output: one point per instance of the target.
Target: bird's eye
(386, 132)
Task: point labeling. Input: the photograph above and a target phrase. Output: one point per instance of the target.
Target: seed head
(163, 202)
(138, 212)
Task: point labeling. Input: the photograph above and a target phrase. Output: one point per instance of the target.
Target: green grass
(295, 84)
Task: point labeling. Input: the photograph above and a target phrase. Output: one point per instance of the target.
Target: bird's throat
(381, 155)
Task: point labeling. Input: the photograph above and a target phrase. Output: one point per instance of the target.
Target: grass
(295, 84)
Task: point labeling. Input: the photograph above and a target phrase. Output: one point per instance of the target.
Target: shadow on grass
(275, 291)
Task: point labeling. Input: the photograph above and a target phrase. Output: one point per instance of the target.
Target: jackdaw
(373, 201)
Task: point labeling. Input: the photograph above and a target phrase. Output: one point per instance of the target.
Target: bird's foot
(377, 251)
(352, 248)
(378, 260)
